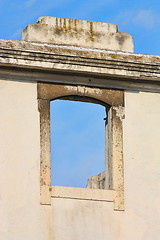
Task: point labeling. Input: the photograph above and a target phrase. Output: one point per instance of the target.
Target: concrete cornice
(93, 67)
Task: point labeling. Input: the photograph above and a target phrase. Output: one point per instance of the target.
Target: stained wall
(22, 215)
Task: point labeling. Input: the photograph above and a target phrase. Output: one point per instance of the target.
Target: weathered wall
(142, 169)
(78, 33)
(82, 219)
(68, 218)
(21, 216)
(77, 219)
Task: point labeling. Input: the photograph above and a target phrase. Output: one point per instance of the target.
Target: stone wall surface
(78, 33)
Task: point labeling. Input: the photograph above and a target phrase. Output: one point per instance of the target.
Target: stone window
(111, 180)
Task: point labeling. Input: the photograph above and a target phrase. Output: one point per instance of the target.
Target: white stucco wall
(75, 219)
(142, 166)
(82, 219)
(21, 216)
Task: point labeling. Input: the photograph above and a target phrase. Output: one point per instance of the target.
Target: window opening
(113, 101)
(77, 143)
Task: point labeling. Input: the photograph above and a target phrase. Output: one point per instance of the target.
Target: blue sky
(78, 142)
(140, 18)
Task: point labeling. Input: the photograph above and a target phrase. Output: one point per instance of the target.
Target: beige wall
(82, 219)
(22, 216)
(142, 166)
(75, 219)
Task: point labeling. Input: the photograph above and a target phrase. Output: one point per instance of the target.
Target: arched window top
(105, 97)
(83, 99)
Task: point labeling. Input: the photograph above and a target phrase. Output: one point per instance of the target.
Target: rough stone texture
(97, 182)
(73, 65)
(104, 97)
(78, 33)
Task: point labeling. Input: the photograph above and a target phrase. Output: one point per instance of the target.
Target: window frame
(113, 100)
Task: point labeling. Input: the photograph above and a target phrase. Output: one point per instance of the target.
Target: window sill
(82, 193)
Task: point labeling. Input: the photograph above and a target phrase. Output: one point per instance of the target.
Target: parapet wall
(78, 33)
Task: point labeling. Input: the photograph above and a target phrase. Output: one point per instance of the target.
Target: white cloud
(17, 34)
(29, 3)
(90, 7)
(146, 18)
(143, 18)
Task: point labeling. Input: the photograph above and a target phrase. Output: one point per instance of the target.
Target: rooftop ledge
(22, 60)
